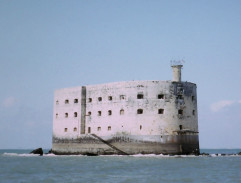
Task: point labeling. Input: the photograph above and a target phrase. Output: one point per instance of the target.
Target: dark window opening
(109, 128)
(180, 111)
(121, 111)
(109, 112)
(180, 97)
(193, 98)
(66, 101)
(139, 111)
(75, 129)
(160, 96)
(122, 97)
(76, 101)
(75, 114)
(140, 127)
(66, 129)
(89, 113)
(90, 100)
(160, 111)
(193, 112)
(89, 130)
(110, 98)
(66, 114)
(140, 96)
(99, 128)
(99, 113)
(100, 99)
(180, 127)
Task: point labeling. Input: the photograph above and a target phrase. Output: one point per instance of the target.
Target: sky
(48, 45)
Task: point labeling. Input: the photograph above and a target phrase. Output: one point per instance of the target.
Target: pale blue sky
(47, 45)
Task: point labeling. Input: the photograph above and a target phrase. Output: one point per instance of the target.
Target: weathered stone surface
(37, 151)
(129, 117)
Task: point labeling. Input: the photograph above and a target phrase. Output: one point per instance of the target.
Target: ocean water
(17, 166)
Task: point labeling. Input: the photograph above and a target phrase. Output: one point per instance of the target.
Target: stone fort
(132, 117)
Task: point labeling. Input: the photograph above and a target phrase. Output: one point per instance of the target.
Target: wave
(115, 155)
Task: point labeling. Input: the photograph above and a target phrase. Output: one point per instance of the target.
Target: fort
(132, 117)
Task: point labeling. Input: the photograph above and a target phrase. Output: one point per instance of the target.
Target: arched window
(109, 128)
(75, 114)
(121, 111)
(66, 101)
(139, 111)
(109, 112)
(89, 130)
(89, 113)
(90, 100)
(75, 129)
(76, 101)
(66, 129)
(110, 98)
(66, 114)
(99, 99)
(99, 128)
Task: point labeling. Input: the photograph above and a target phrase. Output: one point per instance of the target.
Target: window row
(139, 111)
(67, 101)
(123, 97)
(109, 128)
(66, 115)
(74, 129)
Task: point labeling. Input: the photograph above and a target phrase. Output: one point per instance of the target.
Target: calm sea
(18, 166)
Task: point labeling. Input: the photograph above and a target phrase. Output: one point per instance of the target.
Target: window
(76, 101)
(179, 96)
(89, 113)
(89, 130)
(57, 115)
(193, 112)
(99, 113)
(140, 96)
(160, 96)
(99, 129)
(121, 111)
(75, 129)
(140, 127)
(193, 98)
(89, 100)
(100, 99)
(110, 98)
(109, 112)
(75, 114)
(66, 101)
(66, 114)
(180, 111)
(160, 111)
(139, 111)
(66, 129)
(180, 127)
(122, 97)
(109, 128)
(57, 102)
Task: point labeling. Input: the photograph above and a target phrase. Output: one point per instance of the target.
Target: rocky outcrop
(37, 151)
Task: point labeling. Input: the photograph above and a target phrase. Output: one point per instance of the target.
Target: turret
(176, 71)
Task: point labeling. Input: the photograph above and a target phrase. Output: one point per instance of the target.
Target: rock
(37, 151)
(204, 154)
(239, 153)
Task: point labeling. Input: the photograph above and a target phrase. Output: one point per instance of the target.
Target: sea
(18, 166)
